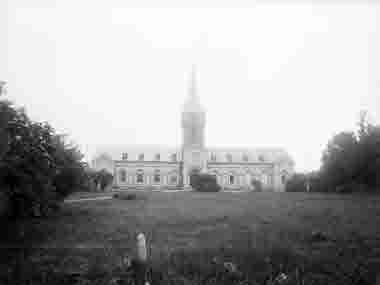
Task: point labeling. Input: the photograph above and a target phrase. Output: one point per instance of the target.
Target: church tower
(193, 127)
(193, 117)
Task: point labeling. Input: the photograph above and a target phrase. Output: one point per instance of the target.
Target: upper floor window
(213, 156)
(124, 156)
(173, 157)
(245, 157)
(229, 157)
(157, 157)
(261, 158)
(141, 157)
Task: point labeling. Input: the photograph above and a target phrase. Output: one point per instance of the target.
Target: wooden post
(141, 260)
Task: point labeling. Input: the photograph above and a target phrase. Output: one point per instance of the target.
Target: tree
(352, 162)
(37, 168)
(339, 160)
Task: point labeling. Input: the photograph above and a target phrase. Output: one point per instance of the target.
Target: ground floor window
(173, 179)
(283, 179)
(157, 176)
(264, 179)
(231, 179)
(122, 175)
(140, 176)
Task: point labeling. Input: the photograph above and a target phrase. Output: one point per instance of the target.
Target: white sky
(282, 74)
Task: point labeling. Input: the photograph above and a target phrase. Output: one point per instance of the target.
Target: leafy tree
(340, 158)
(37, 169)
(352, 162)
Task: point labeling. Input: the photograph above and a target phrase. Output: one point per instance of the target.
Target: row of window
(173, 178)
(157, 157)
(231, 179)
(173, 157)
(228, 157)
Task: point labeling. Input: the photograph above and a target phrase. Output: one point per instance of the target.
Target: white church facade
(160, 167)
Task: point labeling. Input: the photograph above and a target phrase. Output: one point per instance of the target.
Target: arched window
(229, 157)
(140, 176)
(122, 175)
(157, 157)
(124, 156)
(173, 178)
(157, 176)
(141, 157)
(245, 157)
(264, 179)
(231, 179)
(283, 178)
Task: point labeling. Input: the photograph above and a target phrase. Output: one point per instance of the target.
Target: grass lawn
(262, 233)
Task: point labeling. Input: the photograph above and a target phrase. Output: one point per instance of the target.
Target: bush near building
(98, 180)
(257, 185)
(202, 182)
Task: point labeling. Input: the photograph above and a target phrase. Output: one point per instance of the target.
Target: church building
(160, 167)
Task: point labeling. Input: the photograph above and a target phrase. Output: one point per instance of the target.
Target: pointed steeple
(192, 103)
(193, 116)
(193, 82)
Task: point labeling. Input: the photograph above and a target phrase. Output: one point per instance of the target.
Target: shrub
(97, 180)
(204, 182)
(297, 183)
(257, 185)
(352, 187)
(129, 196)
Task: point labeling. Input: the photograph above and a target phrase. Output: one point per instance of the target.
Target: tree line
(350, 163)
(38, 167)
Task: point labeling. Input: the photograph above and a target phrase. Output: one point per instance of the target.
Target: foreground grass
(190, 236)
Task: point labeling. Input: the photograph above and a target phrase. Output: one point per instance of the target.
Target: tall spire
(193, 82)
(192, 103)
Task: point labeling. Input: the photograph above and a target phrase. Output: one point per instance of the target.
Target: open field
(260, 232)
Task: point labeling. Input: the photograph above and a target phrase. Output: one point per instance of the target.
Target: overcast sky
(269, 75)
